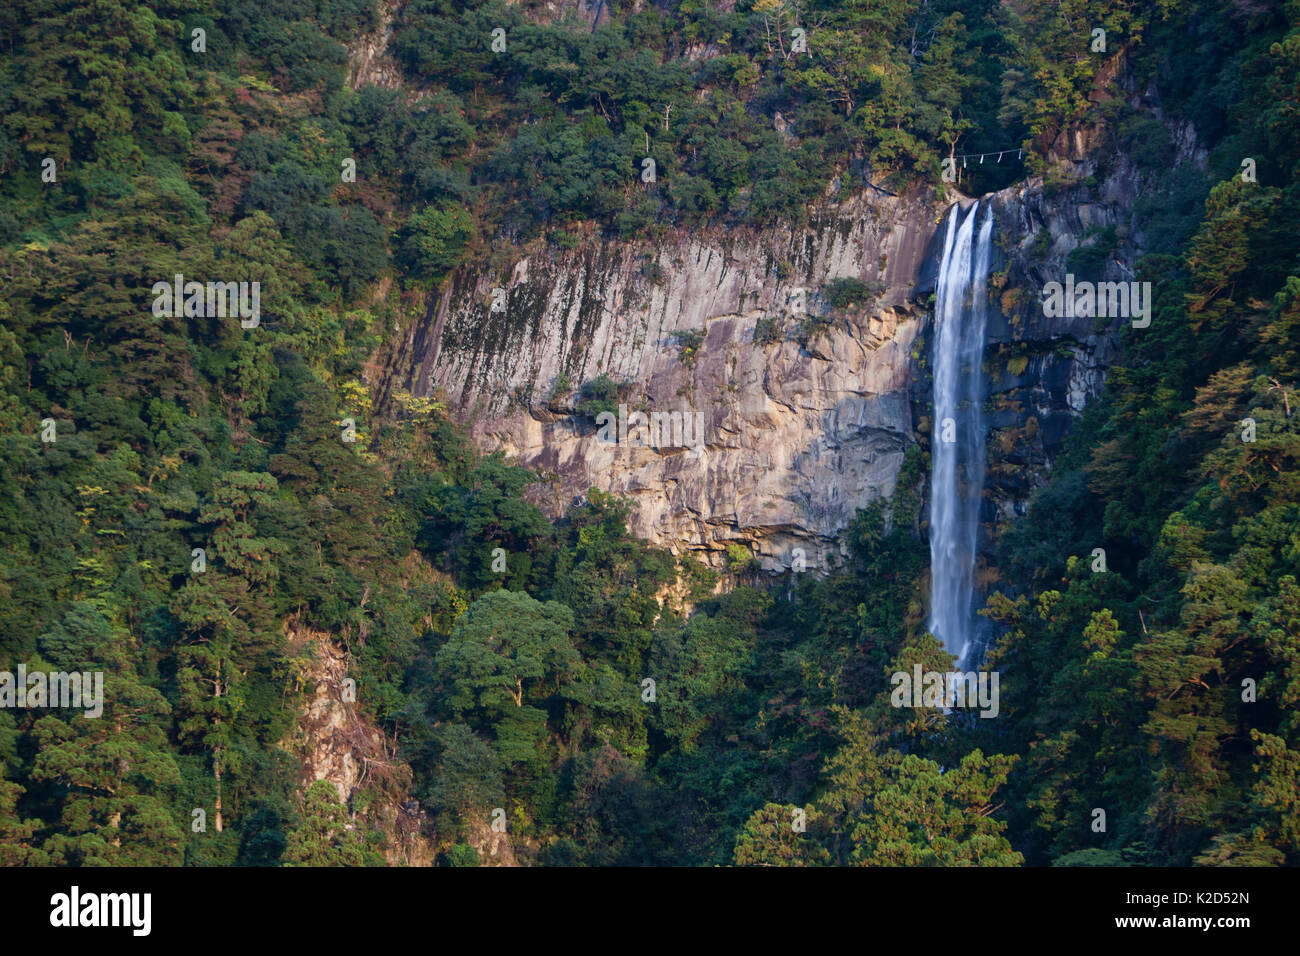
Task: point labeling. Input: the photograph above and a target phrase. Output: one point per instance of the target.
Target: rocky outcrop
(808, 399)
(494, 846)
(804, 405)
(807, 406)
(587, 13)
(1041, 371)
(369, 62)
(334, 741)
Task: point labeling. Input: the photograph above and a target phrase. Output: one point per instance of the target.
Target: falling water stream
(957, 479)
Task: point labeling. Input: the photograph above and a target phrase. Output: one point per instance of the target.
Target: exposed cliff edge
(801, 427)
(798, 432)
(335, 741)
(1079, 219)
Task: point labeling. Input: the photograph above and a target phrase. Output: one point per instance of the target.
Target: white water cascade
(957, 454)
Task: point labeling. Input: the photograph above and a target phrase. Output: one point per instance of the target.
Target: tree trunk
(216, 764)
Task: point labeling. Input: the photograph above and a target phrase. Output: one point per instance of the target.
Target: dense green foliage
(559, 121)
(615, 704)
(1164, 689)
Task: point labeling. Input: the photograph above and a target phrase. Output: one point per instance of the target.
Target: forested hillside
(178, 490)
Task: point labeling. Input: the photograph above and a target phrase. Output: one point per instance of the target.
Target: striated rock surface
(369, 62)
(1040, 372)
(801, 428)
(808, 408)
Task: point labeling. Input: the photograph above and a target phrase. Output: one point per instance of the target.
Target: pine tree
(113, 775)
(325, 835)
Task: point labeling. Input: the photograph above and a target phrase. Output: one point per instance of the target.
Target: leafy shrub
(601, 394)
(1089, 258)
(739, 557)
(462, 854)
(847, 292)
(689, 342)
(434, 239)
(810, 327)
(561, 386)
(767, 331)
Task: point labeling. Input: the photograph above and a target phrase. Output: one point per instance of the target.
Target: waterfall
(957, 479)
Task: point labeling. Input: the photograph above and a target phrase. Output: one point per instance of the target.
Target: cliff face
(369, 62)
(807, 408)
(1041, 371)
(808, 398)
(799, 428)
